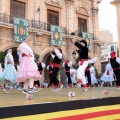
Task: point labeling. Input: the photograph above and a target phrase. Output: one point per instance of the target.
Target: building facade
(117, 3)
(105, 54)
(105, 36)
(73, 16)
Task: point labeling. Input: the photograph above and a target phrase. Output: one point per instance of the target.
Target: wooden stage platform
(45, 95)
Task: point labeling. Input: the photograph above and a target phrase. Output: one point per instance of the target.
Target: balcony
(7, 19)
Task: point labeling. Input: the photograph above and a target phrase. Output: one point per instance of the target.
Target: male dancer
(115, 61)
(83, 63)
(67, 66)
(40, 66)
(87, 74)
(50, 69)
(56, 65)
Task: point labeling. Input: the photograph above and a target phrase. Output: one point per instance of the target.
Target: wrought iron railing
(7, 19)
(78, 33)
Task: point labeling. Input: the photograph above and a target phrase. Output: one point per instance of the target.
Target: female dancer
(28, 71)
(9, 74)
(108, 75)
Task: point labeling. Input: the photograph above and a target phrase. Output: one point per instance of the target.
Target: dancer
(56, 65)
(83, 63)
(19, 84)
(108, 75)
(9, 74)
(115, 61)
(87, 74)
(67, 66)
(73, 74)
(87, 71)
(28, 71)
(40, 66)
(50, 69)
(92, 74)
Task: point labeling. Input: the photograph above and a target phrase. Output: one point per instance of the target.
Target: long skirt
(9, 74)
(93, 79)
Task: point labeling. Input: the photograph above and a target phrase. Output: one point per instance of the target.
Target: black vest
(114, 64)
(50, 68)
(39, 67)
(67, 67)
(56, 60)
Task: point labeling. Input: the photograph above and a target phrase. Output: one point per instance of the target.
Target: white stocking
(31, 82)
(26, 85)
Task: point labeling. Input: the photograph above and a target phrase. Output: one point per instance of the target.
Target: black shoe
(25, 91)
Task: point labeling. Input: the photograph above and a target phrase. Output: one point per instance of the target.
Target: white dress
(108, 74)
(73, 74)
(28, 68)
(92, 73)
(9, 72)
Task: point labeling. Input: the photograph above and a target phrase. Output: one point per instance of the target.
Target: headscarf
(112, 54)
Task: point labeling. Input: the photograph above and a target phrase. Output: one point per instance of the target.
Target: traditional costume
(87, 75)
(56, 65)
(28, 71)
(92, 73)
(40, 66)
(73, 74)
(88, 72)
(108, 75)
(115, 61)
(83, 63)
(50, 69)
(9, 74)
(67, 66)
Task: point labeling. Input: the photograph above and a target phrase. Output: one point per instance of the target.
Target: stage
(57, 105)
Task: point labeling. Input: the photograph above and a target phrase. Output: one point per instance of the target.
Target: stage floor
(45, 95)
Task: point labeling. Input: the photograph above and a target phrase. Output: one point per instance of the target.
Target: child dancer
(108, 75)
(67, 66)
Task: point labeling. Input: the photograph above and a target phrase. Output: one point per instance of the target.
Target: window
(52, 18)
(112, 48)
(17, 9)
(82, 26)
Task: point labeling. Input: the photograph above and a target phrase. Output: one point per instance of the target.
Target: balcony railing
(7, 19)
(78, 33)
